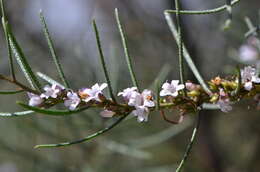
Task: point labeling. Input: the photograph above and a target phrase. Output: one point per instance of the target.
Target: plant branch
(210, 11)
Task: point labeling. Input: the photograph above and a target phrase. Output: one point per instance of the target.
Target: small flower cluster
(141, 101)
(186, 97)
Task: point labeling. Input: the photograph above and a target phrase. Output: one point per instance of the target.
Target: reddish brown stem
(23, 87)
(172, 121)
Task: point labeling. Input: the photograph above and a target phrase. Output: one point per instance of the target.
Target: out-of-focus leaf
(11, 92)
(49, 79)
(92, 136)
(15, 114)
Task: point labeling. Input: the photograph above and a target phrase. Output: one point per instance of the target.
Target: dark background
(226, 142)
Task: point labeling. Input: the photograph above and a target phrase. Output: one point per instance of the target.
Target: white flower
(52, 91)
(107, 113)
(72, 100)
(248, 53)
(171, 89)
(248, 86)
(225, 105)
(141, 102)
(141, 112)
(35, 100)
(126, 93)
(92, 93)
(249, 76)
(136, 99)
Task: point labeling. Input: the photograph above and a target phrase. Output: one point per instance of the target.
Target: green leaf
(11, 92)
(4, 24)
(53, 52)
(21, 60)
(210, 11)
(52, 112)
(90, 137)
(49, 79)
(186, 53)
(189, 146)
(15, 114)
(102, 60)
(126, 51)
(179, 42)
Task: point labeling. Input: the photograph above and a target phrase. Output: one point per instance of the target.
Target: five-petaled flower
(171, 89)
(72, 100)
(35, 100)
(52, 91)
(93, 93)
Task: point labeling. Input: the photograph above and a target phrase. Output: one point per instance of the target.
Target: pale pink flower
(141, 102)
(52, 91)
(248, 53)
(72, 100)
(35, 100)
(171, 89)
(191, 87)
(107, 113)
(141, 112)
(126, 93)
(225, 105)
(92, 93)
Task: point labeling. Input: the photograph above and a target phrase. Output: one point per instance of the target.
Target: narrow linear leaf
(53, 52)
(15, 114)
(50, 111)
(11, 92)
(189, 147)
(126, 51)
(215, 10)
(4, 24)
(21, 60)
(49, 79)
(180, 42)
(102, 60)
(92, 136)
(186, 53)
